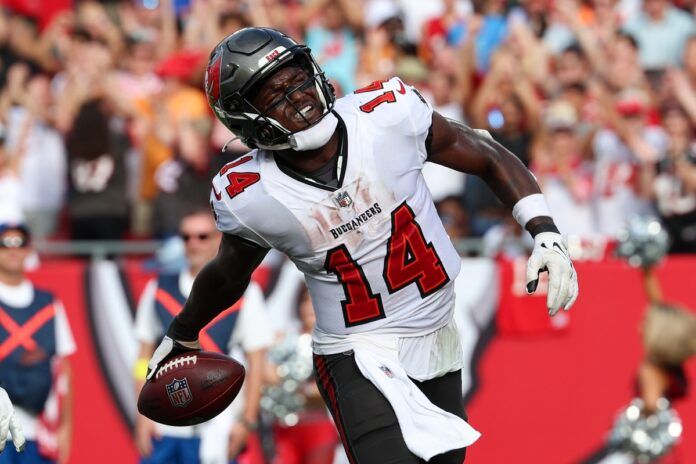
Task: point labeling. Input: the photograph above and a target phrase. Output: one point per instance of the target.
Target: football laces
(176, 363)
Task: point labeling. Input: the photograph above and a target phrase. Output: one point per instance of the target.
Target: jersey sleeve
(65, 342)
(229, 211)
(396, 108)
(395, 105)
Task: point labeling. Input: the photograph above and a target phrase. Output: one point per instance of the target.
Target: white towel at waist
(427, 429)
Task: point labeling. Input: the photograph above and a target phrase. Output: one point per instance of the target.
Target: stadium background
(596, 100)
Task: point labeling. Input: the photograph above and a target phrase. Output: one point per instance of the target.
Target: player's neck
(194, 270)
(11, 279)
(311, 160)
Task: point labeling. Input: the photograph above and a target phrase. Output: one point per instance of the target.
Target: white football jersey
(373, 251)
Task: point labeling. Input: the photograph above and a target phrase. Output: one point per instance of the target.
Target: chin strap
(316, 136)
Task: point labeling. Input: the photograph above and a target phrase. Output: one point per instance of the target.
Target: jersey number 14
(410, 259)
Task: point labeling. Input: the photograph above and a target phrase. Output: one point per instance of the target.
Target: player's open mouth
(304, 114)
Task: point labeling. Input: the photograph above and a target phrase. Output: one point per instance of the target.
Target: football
(191, 388)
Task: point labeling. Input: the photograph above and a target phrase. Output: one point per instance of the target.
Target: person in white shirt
(34, 336)
(243, 332)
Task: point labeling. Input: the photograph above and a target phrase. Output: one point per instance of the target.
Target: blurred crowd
(106, 132)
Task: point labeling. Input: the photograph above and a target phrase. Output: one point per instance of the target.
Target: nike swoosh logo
(556, 245)
(218, 196)
(559, 249)
(402, 89)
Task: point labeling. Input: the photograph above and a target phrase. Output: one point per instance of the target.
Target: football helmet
(237, 68)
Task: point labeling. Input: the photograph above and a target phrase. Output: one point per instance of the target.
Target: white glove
(168, 348)
(10, 424)
(550, 254)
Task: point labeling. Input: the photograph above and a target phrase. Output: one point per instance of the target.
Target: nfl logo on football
(343, 200)
(179, 393)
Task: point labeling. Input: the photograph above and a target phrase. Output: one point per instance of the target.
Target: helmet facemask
(238, 110)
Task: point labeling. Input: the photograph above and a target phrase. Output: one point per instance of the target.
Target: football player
(336, 185)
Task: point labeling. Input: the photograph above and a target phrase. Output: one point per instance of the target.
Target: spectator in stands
(38, 149)
(563, 173)
(243, 331)
(620, 149)
(95, 140)
(332, 27)
(445, 30)
(671, 180)
(492, 32)
(680, 84)
(386, 44)
(97, 205)
(10, 186)
(503, 83)
(183, 181)
(661, 31)
(176, 110)
(571, 68)
(35, 342)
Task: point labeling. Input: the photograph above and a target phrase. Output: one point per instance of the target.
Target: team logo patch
(387, 371)
(342, 200)
(212, 79)
(179, 393)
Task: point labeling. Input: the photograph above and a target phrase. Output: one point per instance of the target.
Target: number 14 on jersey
(409, 260)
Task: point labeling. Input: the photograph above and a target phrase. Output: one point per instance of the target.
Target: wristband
(542, 227)
(140, 369)
(530, 207)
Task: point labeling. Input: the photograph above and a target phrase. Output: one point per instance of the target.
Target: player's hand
(238, 439)
(145, 431)
(10, 424)
(168, 348)
(550, 254)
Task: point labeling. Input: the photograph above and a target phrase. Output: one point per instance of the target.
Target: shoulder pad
(235, 189)
(235, 177)
(391, 103)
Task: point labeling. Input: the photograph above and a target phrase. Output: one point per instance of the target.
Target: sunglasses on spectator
(14, 241)
(202, 237)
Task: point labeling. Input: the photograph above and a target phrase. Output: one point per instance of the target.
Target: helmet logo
(272, 55)
(212, 79)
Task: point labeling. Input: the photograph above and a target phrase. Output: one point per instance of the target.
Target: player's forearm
(507, 176)
(254, 384)
(66, 417)
(213, 291)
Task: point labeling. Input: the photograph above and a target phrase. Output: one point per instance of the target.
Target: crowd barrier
(540, 391)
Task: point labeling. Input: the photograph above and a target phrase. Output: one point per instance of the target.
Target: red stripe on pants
(328, 386)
